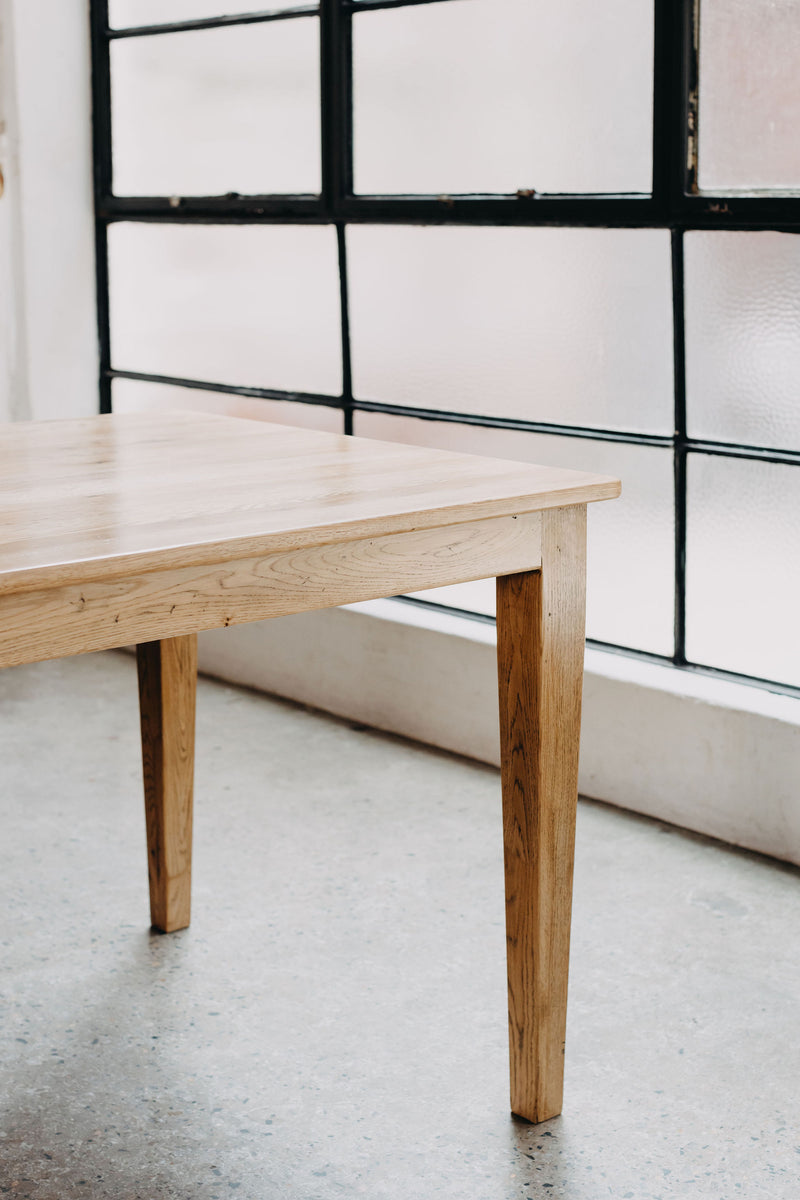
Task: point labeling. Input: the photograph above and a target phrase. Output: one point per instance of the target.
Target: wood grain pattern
(139, 527)
(540, 640)
(75, 618)
(167, 688)
(102, 497)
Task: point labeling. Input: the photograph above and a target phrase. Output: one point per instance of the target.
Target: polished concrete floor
(333, 1023)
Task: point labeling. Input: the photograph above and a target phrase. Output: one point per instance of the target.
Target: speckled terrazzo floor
(333, 1023)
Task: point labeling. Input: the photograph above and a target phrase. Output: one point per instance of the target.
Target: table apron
(101, 615)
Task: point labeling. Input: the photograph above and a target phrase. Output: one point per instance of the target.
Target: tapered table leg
(167, 687)
(540, 640)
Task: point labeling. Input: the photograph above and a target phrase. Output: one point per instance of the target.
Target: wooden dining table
(148, 528)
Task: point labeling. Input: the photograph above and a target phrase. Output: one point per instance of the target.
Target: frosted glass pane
(217, 110)
(572, 326)
(161, 12)
(749, 98)
(743, 567)
(254, 305)
(743, 337)
(498, 95)
(133, 395)
(630, 598)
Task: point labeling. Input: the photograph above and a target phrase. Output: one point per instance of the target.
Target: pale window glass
(161, 12)
(743, 566)
(253, 305)
(499, 95)
(572, 326)
(213, 111)
(134, 395)
(631, 540)
(743, 337)
(749, 95)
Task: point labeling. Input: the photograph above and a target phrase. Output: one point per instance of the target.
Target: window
(563, 233)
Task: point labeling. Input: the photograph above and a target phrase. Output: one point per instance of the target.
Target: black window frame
(675, 204)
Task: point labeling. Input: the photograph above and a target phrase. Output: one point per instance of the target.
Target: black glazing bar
(611, 212)
(369, 5)
(739, 212)
(580, 212)
(251, 18)
(101, 166)
(335, 87)
(662, 66)
(512, 423)
(336, 128)
(486, 619)
(232, 209)
(690, 51)
(607, 212)
(671, 103)
(632, 210)
(347, 374)
(101, 99)
(679, 466)
(487, 421)
(769, 685)
(346, 401)
(103, 316)
(230, 389)
(447, 610)
(787, 458)
(660, 660)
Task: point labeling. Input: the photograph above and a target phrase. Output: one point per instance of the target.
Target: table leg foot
(540, 641)
(167, 687)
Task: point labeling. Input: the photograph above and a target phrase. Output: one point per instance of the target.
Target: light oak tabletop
(97, 497)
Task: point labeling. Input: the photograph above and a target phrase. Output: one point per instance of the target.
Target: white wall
(48, 336)
(13, 355)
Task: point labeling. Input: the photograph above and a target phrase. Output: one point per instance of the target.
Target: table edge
(41, 577)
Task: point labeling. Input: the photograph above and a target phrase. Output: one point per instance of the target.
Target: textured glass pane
(572, 326)
(749, 99)
(217, 110)
(161, 12)
(631, 541)
(743, 337)
(743, 567)
(499, 95)
(255, 305)
(133, 395)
